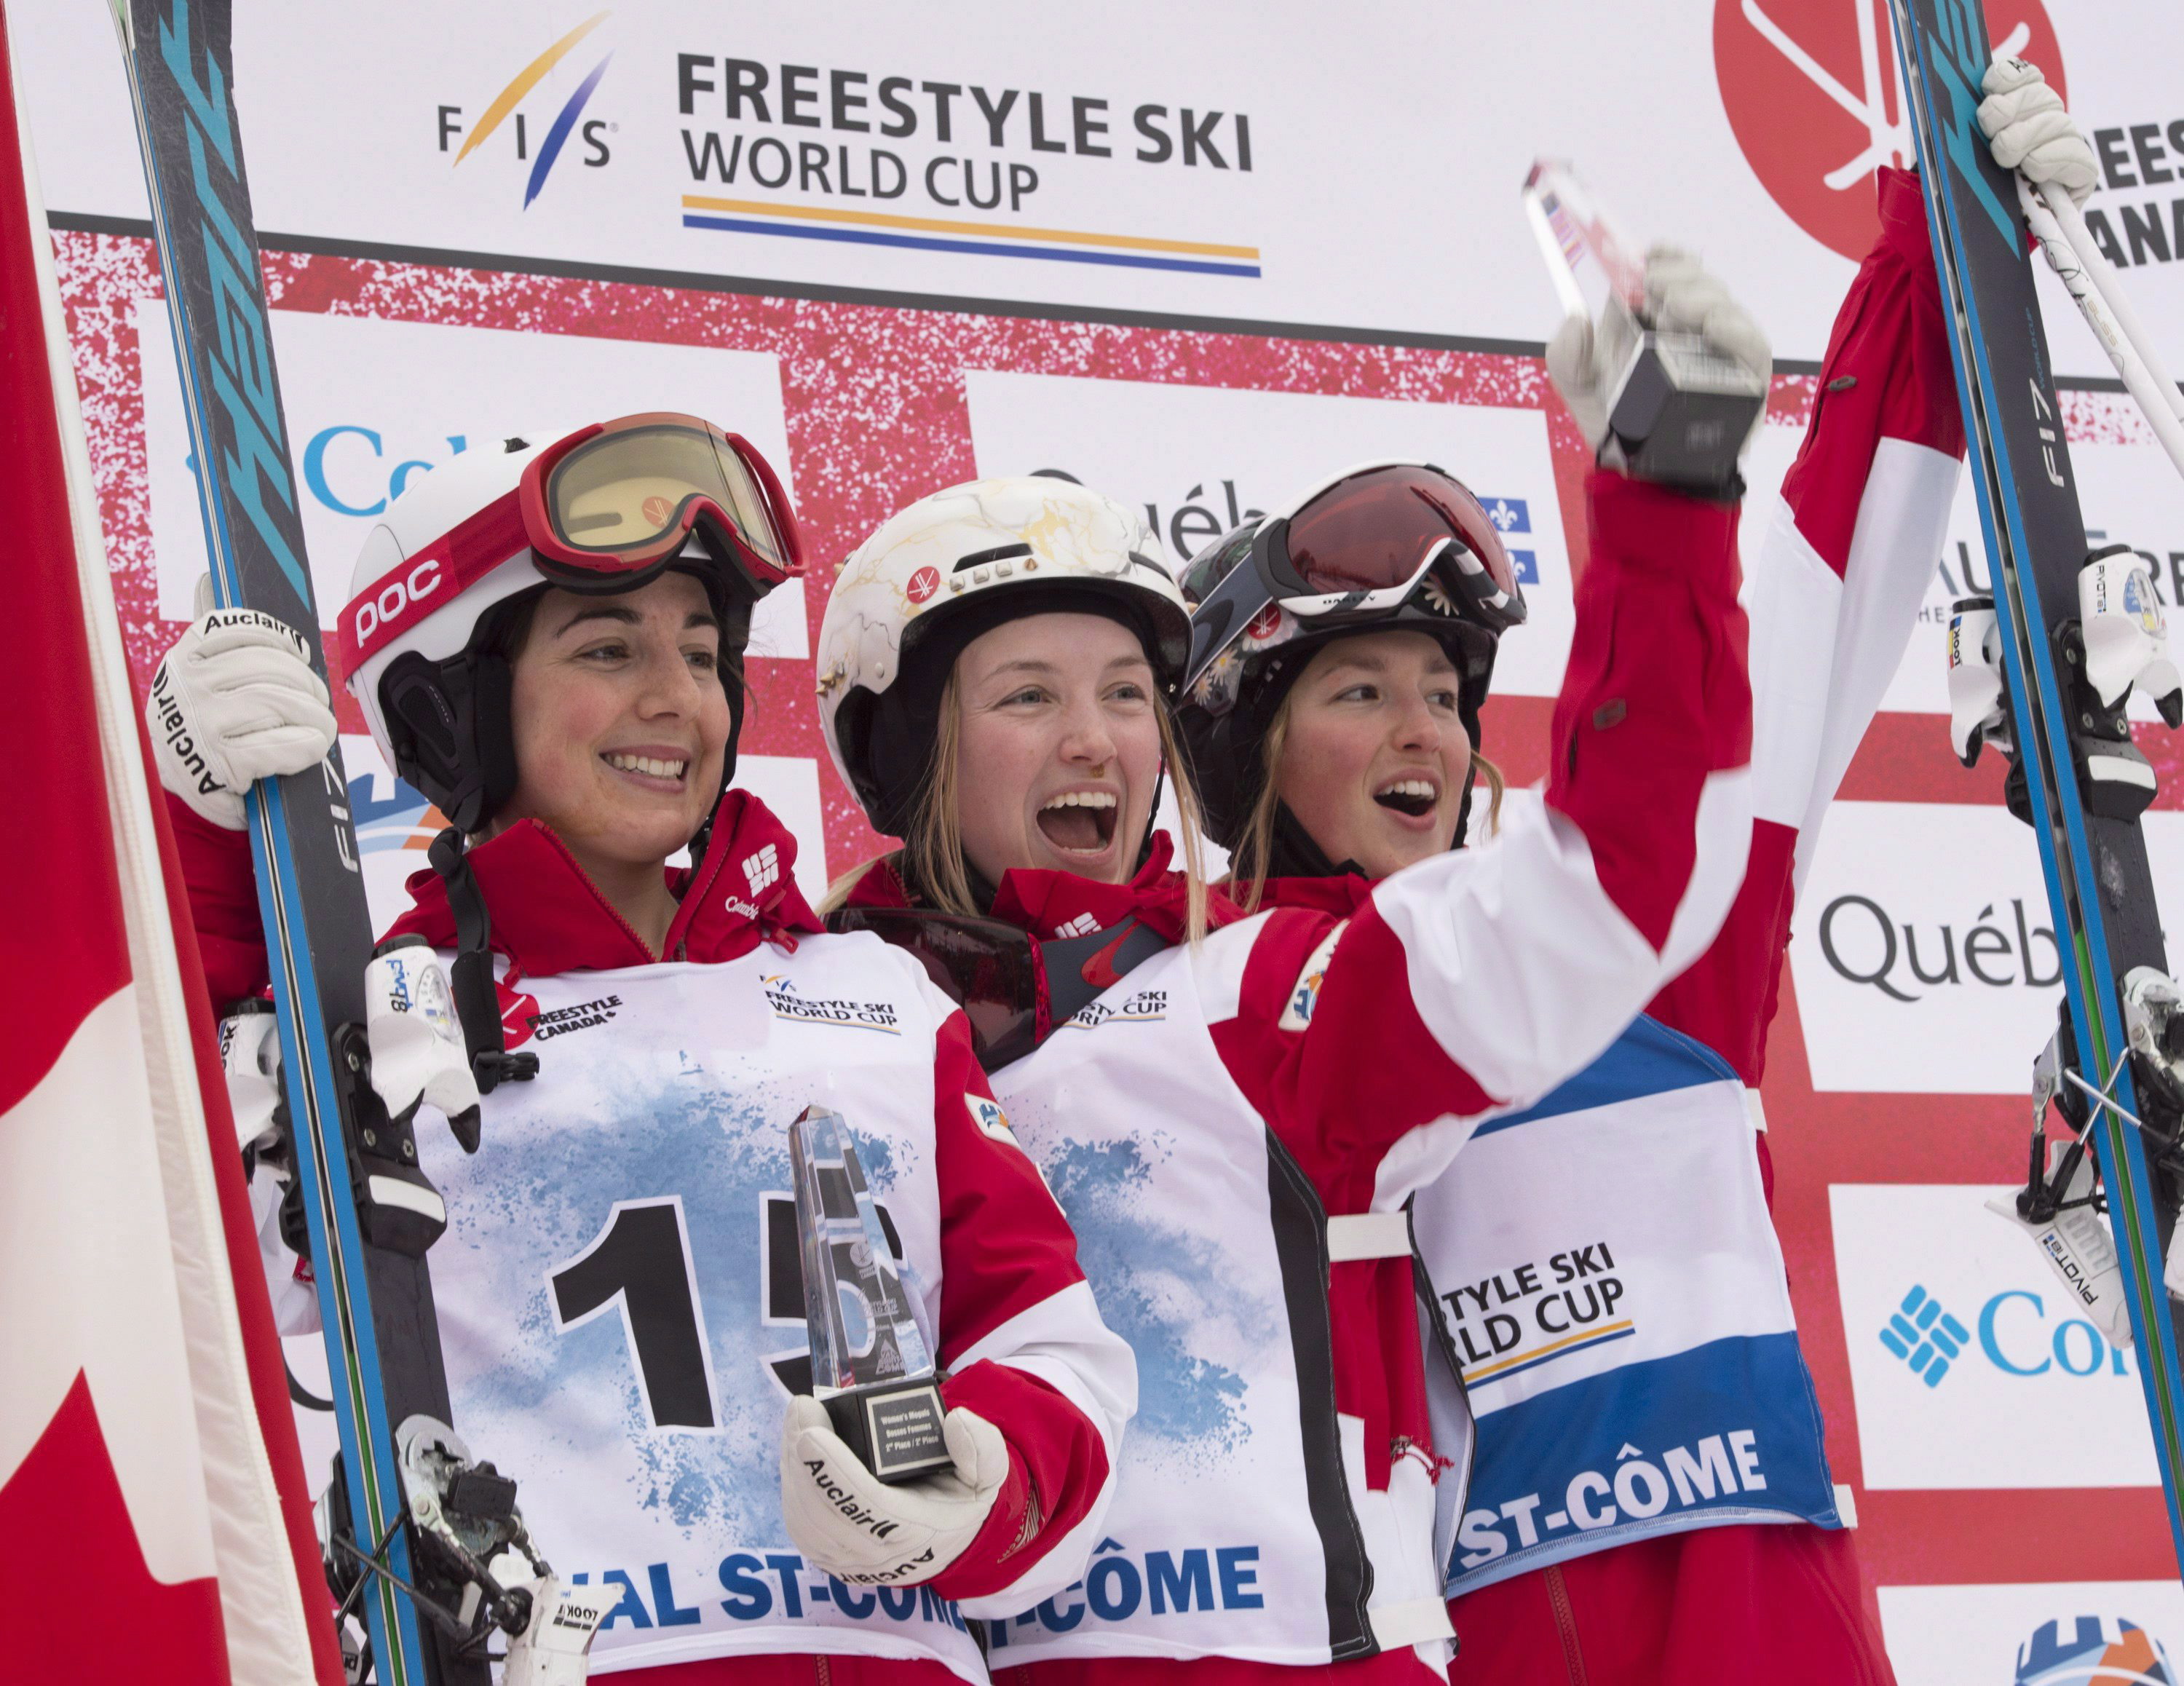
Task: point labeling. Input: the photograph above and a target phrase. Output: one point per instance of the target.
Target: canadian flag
(154, 1521)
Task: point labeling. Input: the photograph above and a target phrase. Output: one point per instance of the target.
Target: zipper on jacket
(600, 896)
(1565, 1624)
(823, 1669)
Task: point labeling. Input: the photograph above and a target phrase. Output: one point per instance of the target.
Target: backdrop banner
(1195, 257)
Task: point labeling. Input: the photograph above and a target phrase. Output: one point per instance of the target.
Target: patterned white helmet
(950, 567)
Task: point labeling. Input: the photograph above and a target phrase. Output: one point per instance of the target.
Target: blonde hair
(930, 863)
(1249, 867)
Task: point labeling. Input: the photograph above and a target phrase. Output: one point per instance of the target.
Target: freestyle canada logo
(2093, 1650)
(401, 819)
(1809, 88)
(584, 1015)
(553, 139)
(847, 141)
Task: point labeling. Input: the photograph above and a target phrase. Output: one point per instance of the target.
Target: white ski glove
(1584, 359)
(2026, 124)
(849, 1522)
(417, 1050)
(234, 701)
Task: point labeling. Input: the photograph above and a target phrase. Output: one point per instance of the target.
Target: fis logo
(565, 121)
(2094, 1649)
(1925, 1337)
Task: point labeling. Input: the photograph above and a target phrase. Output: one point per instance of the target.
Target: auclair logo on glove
(845, 1501)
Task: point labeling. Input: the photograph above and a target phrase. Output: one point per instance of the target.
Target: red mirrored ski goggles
(1359, 549)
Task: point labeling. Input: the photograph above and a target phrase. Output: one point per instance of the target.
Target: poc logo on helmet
(395, 598)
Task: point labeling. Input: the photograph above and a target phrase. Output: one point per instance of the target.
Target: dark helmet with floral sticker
(1378, 548)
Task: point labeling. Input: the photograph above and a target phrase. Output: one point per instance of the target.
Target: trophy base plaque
(1681, 411)
(894, 1428)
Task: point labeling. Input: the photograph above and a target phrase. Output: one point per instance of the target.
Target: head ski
(2077, 779)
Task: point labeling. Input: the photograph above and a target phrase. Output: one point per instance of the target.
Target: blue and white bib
(1609, 1285)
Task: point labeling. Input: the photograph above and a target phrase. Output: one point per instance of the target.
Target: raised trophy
(1678, 408)
(871, 1364)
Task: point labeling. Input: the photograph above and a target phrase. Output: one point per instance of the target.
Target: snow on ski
(2083, 785)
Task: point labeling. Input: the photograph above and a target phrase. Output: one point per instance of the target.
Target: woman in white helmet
(996, 669)
(1234, 1123)
(546, 638)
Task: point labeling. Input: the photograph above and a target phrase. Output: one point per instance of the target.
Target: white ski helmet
(950, 567)
(602, 509)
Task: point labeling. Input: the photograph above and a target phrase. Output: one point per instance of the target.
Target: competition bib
(1610, 1287)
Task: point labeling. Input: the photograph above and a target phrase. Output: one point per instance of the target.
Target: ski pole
(2092, 283)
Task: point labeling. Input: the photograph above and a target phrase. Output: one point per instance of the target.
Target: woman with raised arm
(1613, 1355)
(1235, 1122)
(546, 637)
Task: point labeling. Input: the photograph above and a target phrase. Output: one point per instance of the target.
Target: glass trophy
(871, 1364)
(1680, 410)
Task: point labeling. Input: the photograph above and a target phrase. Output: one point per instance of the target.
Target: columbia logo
(1925, 1337)
(762, 868)
(1082, 926)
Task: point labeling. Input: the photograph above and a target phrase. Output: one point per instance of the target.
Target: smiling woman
(1370, 753)
(622, 718)
(546, 637)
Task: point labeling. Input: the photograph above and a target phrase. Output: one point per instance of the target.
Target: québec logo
(1514, 515)
(2095, 1651)
(505, 104)
(1925, 1337)
(1809, 89)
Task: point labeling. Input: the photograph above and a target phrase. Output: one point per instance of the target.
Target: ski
(2077, 778)
(375, 1293)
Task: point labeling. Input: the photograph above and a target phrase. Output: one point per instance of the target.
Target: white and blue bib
(1609, 1285)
